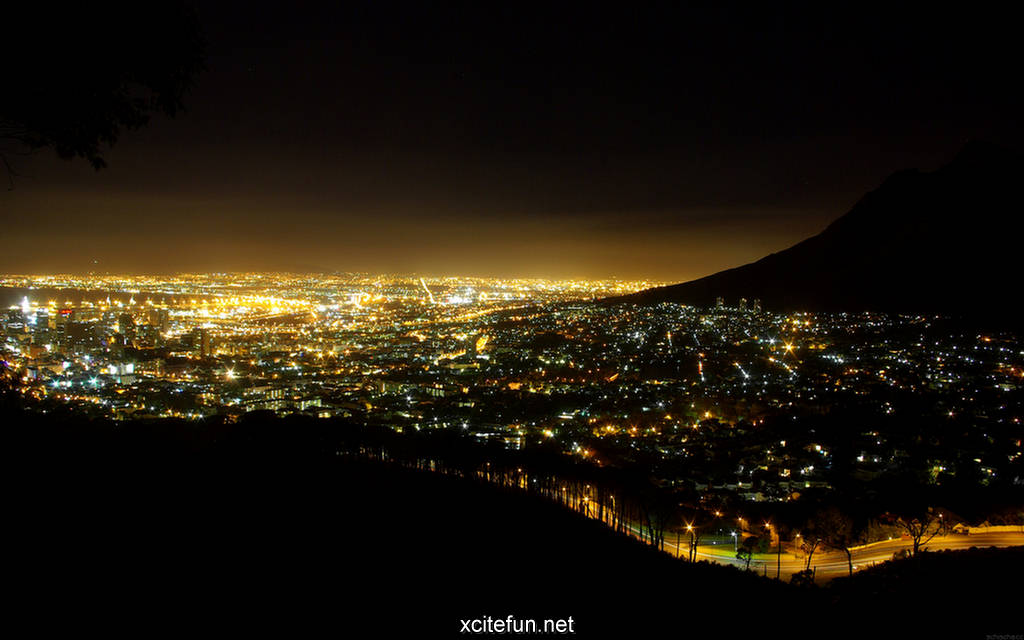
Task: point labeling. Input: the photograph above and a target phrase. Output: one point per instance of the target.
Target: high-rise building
(201, 341)
(60, 329)
(719, 302)
(743, 304)
(160, 318)
(80, 336)
(757, 305)
(15, 323)
(148, 336)
(41, 328)
(126, 325)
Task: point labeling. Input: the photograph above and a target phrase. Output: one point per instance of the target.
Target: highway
(829, 563)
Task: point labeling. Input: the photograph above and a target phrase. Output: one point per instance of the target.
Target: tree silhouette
(745, 554)
(837, 531)
(803, 578)
(750, 546)
(810, 539)
(87, 73)
(922, 525)
(694, 523)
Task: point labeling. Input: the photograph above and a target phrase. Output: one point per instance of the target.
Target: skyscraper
(201, 341)
(126, 325)
(160, 318)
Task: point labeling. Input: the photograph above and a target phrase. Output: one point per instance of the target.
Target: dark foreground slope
(138, 528)
(974, 590)
(277, 540)
(944, 241)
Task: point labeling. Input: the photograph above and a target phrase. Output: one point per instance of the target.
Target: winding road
(830, 564)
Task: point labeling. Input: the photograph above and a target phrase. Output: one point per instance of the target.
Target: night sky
(521, 140)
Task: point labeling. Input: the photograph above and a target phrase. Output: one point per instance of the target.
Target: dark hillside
(946, 241)
(141, 527)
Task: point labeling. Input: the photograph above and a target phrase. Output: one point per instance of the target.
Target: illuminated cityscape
(618, 320)
(700, 396)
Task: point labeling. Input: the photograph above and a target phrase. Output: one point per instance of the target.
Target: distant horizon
(635, 248)
(270, 272)
(641, 246)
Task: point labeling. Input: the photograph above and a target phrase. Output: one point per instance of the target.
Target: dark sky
(517, 139)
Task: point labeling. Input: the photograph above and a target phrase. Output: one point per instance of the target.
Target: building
(200, 341)
(161, 319)
(126, 327)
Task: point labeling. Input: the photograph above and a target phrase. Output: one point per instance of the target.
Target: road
(831, 564)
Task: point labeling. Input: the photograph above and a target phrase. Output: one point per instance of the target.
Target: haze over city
(488, 141)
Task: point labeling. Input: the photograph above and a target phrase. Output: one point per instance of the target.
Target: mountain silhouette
(946, 241)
